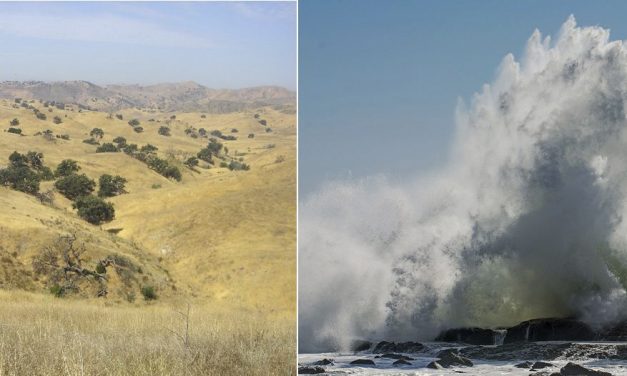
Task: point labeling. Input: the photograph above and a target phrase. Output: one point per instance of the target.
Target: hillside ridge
(178, 96)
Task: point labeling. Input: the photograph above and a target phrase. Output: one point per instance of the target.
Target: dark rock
(617, 332)
(451, 358)
(472, 336)
(360, 345)
(402, 347)
(526, 364)
(323, 362)
(540, 365)
(396, 356)
(362, 362)
(401, 362)
(434, 365)
(306, 370)
(551, 329)
(572, 369)
(547, 351)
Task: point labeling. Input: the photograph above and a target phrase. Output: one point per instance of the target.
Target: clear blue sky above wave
(379, 80)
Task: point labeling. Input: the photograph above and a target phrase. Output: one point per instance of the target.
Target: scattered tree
(74, 186)
(14, 130)
(67, 167)
(111, 185)
(94, 209)
(107, 147)
(97, 133)
(133, 122)
(121, 141)
(15, 122)
(57, 120)
(164, 131)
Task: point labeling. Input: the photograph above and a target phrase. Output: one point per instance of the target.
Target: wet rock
(547, 351)
(323, 362)
(402, 347)
(360, 345)
(526, 364)
(396, 356)
(434, 365)
(306, 370)
(401, 362)
(362, 362)
(472, 336)
(450, 358)
(572, 369)
(540, 365)
(550, 329)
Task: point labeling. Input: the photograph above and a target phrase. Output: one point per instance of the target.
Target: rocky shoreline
(530, 345)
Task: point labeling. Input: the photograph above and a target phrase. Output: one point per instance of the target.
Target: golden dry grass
(42, 335)
(223, 241)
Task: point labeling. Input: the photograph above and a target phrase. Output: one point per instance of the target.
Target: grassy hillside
(221, 240)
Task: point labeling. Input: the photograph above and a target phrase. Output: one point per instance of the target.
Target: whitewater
(524, 221)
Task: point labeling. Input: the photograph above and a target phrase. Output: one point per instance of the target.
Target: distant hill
(183, 96)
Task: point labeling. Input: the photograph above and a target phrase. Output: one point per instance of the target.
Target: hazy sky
(379, 80)
(220, 44)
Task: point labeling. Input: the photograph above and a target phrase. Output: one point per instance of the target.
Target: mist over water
(525, 221)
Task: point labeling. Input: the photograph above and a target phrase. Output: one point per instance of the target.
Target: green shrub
(191, 162)
(205, 155)
(234, 130)
(107, 147)
(203, 116)
(101, 269)
(35, 159)
(21, 178)
(236, 165)
(67, 167)
(97, 133)
(63, 136)
(268, 130)
(121, 141)
(91, 141)
(46, 174)
(130, 149)
(162, 167)
(57, 290)
(14, 123)
(94, 210)
(263, 122)
(149, 293)
(134, 122)
(57, 120)
(138, 129)
(119, 116)
(111, 185)
(251, 135)
(164, 131)
(41, 116)
(14, 130)
(74, 186)
(149, 149)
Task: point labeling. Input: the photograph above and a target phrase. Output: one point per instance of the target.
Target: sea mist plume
(525, 221)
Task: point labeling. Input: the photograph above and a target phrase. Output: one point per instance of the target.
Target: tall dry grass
(41, 335)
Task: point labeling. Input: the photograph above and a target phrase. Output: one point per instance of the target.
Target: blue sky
(220, 44)
(379, 80)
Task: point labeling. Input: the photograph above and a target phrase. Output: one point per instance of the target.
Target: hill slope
(218, 236)
(184, 96)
